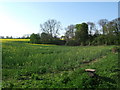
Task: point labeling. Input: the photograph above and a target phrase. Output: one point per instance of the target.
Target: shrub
(34, 38)
(72, 43)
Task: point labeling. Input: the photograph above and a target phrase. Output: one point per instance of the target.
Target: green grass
(40, 66)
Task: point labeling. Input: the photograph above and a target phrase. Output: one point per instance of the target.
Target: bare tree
(51, 27)
(91, 26)
(70, 31)
(102, 23)
(112, 26)
(109, 27)
(116, 24)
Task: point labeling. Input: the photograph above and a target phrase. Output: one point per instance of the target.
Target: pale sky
(19, 18)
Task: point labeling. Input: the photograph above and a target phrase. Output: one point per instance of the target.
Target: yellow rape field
(44, 44)
(6, 40)
(9, 40)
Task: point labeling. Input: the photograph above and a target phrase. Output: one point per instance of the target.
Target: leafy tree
(2, 37)
(26, 36)
(112, 32)
(72, 43)
(7, 37)
(58, 41)
(35, 38)
(46, 38)
(100, 40)
(81, 34)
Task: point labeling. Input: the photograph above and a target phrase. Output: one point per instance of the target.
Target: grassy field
(26, 65)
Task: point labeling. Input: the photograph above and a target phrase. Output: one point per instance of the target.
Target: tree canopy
(79, 34)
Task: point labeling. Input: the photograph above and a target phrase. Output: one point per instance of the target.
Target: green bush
(72, 43)
(34, 38)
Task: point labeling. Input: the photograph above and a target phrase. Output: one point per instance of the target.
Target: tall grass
(33, 60)
(51, 58)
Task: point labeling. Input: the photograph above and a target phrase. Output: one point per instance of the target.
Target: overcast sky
(19, 18)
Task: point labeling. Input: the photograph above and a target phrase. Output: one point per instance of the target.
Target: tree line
(79, 34)
(26, 36)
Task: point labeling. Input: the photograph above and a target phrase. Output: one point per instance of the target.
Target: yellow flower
(6, 40)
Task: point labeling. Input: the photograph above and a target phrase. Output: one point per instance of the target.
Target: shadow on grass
(99, 82)
(106, 79)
